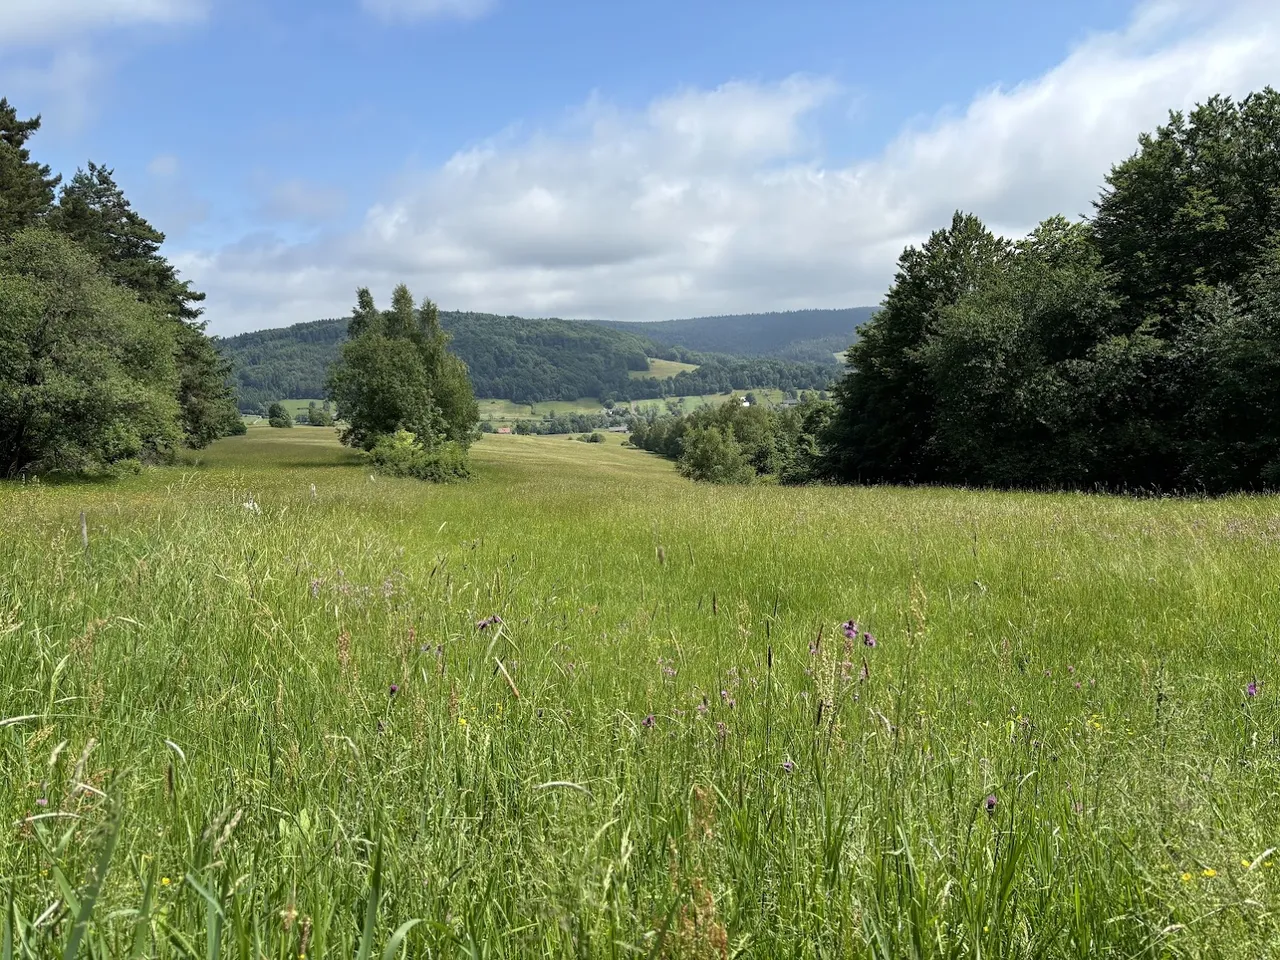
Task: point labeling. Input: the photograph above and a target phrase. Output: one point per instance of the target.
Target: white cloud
(716, 201)
(423, 9)
(24, 22)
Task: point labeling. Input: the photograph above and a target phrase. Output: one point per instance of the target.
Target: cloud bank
(720, 200)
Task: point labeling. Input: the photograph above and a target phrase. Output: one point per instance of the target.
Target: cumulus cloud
(424, 9)
(24, 22)
(717, 201)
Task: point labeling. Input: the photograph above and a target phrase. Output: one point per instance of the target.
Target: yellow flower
(462, 721)
(1186, 878)
(1245, 864)
(1210, 872)
(165, 881)
(1267, 864)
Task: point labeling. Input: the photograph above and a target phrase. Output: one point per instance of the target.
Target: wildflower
(492, 620)
(649, 722)
(702, 707)
(850, 629)
(1245, 864)
(165, 881)
(1070, 669)
(868, 640)
(990, 803)
(42, 801)
(1252, 689)
(1210, 872)
(789, 766)
(462, 721)
(1186, 878)
(395, 688)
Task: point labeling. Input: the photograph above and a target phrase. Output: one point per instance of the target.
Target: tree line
(103, 357)
(1136, 349)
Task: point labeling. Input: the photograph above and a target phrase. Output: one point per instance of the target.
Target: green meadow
(255, 715)
(661, 369)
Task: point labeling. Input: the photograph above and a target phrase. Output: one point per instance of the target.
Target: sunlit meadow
(581, 707)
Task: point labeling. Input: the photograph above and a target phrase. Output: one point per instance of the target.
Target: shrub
(400, 455)
(712, 456)
(278, 416)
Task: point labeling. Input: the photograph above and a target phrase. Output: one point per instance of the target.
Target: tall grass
(254, 720)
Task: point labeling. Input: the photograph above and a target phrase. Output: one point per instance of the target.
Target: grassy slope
(661, 369)
(558, 823)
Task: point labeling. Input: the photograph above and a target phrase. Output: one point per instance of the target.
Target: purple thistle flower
(868, 640)
(1252, 689)
(990, 803)
(649, 722)
(492, 620)
(850, 629)
(395, 688)
(789, 766)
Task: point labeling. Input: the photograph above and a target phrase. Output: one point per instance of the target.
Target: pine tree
(26, 187)
(93, 211)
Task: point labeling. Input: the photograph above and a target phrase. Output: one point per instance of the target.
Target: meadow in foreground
(581, 707)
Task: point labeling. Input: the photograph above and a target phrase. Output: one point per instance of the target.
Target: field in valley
(582, 707)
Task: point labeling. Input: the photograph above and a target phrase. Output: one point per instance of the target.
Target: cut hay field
(256, 716)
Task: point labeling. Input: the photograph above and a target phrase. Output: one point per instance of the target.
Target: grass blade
(371, 908)
(90, 896)
(397, 939)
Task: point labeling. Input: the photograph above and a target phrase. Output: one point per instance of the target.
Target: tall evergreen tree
(93, 211)
(26, 187)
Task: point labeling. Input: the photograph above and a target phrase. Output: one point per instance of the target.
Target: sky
(616, 159)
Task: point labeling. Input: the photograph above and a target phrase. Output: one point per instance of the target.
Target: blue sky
(633, 160)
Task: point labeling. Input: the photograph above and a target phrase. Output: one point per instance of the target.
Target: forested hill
(810, 335)
(518, 359)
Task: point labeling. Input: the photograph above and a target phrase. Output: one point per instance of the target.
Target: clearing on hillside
(662, 369)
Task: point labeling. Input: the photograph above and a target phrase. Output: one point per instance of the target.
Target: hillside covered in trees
(519, 359)
(813, 336)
